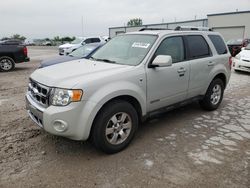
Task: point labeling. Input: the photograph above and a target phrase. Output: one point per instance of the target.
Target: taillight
(25, 51)
(230, 62)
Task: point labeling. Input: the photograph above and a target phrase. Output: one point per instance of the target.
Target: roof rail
(153, 29)
(192, 28)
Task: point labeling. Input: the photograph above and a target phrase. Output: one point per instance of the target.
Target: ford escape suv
(133, 75)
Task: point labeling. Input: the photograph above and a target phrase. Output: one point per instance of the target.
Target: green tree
(135, 22)
(57, 38)
(18, 37)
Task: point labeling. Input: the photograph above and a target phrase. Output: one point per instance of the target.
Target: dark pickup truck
(10, 54)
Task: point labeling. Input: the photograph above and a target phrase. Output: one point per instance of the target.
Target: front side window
(93, 40)
(198, 47)
(87, 41)
(126, 49)
(172, 46)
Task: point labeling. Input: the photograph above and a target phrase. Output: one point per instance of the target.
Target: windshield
(76, 41)
(125, 49)
(247, 47)
(83, 51)
(235, 42)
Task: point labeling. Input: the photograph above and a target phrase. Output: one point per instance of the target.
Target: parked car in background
(47, 43)
(67, 48)
(241, 62)
(82, 52)
(235, 45)
(12, 42)
(134, 75)
(12, 53)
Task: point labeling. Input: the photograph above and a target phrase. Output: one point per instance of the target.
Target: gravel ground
(187, 147)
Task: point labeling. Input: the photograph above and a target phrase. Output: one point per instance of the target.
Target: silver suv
(133, 75)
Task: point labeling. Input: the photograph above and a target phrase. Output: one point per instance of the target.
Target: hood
(67, 45)
(69, 74)
(56, 60)
(245, 54)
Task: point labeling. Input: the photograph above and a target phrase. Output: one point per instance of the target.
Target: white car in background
(67, 48)
(241, 61)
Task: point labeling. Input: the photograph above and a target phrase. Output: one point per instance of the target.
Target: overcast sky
(49, 18)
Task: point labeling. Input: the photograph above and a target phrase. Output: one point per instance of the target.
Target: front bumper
(241, 65)
(77, 117)
(35, 111)
(61, 51)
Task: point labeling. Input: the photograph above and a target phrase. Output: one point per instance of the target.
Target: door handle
(211, 63)
(181, 71)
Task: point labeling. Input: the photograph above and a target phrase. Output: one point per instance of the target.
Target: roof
(228, 13)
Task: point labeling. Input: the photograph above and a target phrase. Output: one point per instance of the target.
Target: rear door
(168, 85)
(201, 63)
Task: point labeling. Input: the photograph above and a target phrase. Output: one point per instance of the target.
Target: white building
(231, 25)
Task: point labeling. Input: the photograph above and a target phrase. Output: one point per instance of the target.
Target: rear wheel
(115, 126)
(6, 64)
(214, 95)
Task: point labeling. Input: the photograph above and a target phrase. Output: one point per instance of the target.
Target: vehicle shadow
(242, 72)
(160, 123)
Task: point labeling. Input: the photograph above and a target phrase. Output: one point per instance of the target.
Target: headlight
(238, 56)
(62, 97)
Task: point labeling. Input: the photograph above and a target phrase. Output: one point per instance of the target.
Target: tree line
(54, 39)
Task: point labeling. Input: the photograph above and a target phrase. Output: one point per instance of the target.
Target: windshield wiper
(104, 60)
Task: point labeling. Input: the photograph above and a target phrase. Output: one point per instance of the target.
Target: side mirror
(162, 61)
(83, 43)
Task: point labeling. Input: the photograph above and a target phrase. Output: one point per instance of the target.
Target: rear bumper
(27, 59)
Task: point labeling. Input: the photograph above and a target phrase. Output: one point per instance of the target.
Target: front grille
(39, 93)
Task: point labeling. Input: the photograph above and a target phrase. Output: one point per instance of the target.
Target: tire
(6, 64)
(116, 119)
(213, 96)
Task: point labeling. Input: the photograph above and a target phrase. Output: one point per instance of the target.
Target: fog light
(60, 126)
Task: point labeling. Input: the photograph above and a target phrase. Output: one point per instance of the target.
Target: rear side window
(197, 46)
(218, 44)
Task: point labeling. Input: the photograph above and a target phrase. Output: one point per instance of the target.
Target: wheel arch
(2, 55)
(221, 76)
(127, 98)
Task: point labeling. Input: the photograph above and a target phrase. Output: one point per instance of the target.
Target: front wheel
(214, 95)
(114, 127)
(6, 64)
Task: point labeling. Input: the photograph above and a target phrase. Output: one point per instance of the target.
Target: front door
(168, 85)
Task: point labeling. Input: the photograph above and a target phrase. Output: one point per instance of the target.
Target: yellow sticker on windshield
(140, 45)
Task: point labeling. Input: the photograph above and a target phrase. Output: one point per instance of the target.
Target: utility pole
(82, 26)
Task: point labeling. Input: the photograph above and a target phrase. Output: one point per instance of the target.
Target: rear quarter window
(218, 44)
(197, 47)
